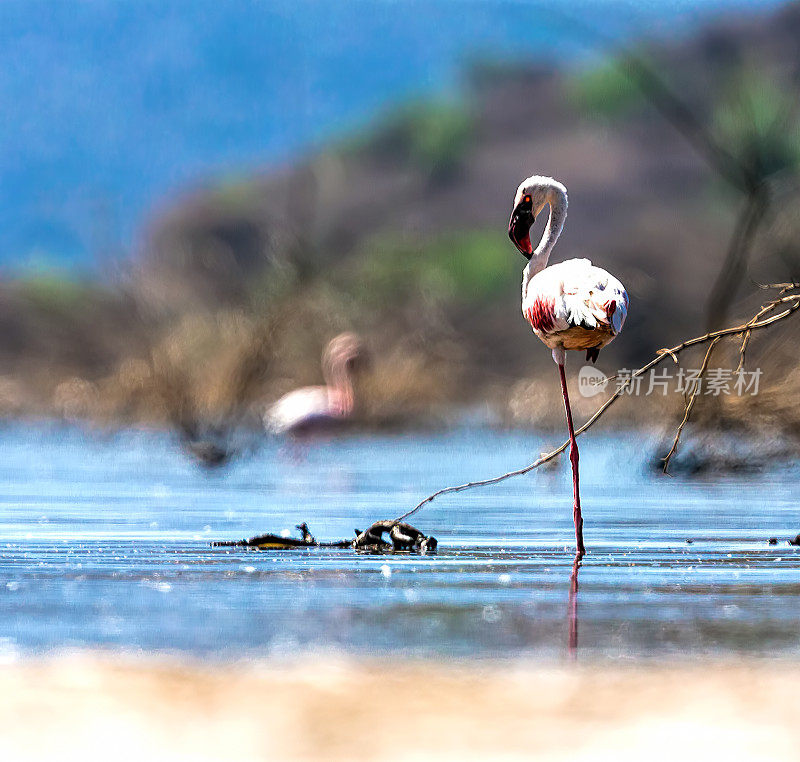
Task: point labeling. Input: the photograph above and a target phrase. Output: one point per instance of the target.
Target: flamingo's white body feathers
(304, 407)
(575, 305)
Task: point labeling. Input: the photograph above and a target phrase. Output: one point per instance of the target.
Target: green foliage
(464, 267)
(434, 136)
(235, 192)
(605, 90)
(756, 120)
(437, 135)
(55, 291)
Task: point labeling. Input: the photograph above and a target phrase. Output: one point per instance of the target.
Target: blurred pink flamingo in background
(316, 408)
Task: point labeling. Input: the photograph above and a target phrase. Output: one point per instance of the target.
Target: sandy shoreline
(89, 707)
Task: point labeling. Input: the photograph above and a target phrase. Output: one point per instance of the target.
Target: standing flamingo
(313, 408)
(570, 305)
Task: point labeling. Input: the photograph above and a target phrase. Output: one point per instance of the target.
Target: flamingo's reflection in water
(572, 608)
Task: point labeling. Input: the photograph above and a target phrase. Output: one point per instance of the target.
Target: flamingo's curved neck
(557, 199)
(340, 388)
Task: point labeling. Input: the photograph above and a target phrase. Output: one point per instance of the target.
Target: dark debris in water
(712, 453)
(793, 541)
(402, 538)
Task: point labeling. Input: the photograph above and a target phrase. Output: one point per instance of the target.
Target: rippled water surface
(106, 542)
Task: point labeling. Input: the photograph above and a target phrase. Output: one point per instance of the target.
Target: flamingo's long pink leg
(573, 457)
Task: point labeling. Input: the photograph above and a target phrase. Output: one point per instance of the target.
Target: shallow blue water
(104, 541)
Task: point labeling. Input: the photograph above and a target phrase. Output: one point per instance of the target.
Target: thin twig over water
(690, 401)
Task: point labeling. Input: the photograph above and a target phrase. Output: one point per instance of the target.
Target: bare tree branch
(692, 398)
(734, 267)
(784, 287)
(683, 119)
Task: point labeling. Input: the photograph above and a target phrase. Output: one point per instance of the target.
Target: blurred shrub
(235, 192)
(405, 384)
(433, 136)
(756, 120)
(465, 267)
(204, 369)
(437, 135)
(605, 90)
(55, 291)
(60, 321)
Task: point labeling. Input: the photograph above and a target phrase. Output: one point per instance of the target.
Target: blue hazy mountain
(106, 108)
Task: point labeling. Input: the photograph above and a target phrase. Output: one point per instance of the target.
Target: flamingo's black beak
(519, 228)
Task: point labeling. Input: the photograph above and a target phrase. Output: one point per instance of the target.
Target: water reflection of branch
(757, 322)
(572, 610)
